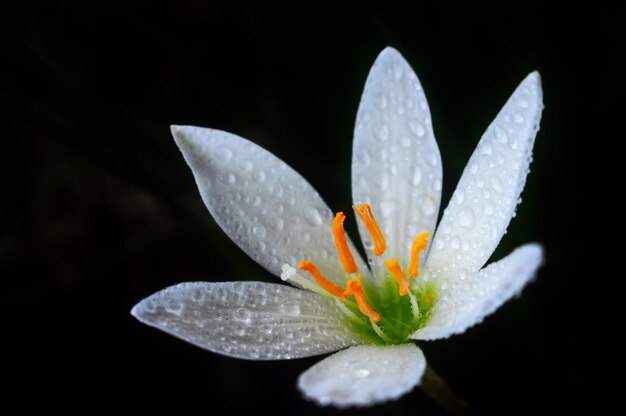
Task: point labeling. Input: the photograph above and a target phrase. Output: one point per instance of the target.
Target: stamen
(380, 332)
(415, 309)
(355, 287)
(326, 284)
(393, 266)
(365, 213)
(290, 273)
(419, 244)
(342, 245)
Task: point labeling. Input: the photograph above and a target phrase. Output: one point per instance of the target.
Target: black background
(100, 210)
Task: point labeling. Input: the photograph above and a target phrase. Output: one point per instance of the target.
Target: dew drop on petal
(313, 216)
(223, 153)
(466, 218)
(290, 308)
(500, 135)
(417, 128)
(242, 315)
(428, 205)
(246, 166)
(417, 176)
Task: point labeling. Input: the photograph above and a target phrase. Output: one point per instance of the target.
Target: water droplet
(223, 153)
(360, 373)
(246, 166)
(405, 141)
(439, 244)
(466, 218)
(486, 149)
(259, 176)
(432, 158)
(428, 205)
(455, 242)
(258, 231)
(397, 72)
(417, 128)
(383, 132)
(523, 102)
(496, 184)
(382, 101)
(383, 181)
(462, 274)
(277, 223)
(417, 175)
(437, 184)
(500, 135)
(446, 228)
(518, 118)
(243, 315)
(386, 208)
(459, 196)
(423, 105)
(174, 307)
(227, 178)
(290, 308)
(362, 157)
(473, 169)
(313, 216)
(489, 209)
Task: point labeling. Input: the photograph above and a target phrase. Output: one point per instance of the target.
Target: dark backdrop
(100, 210)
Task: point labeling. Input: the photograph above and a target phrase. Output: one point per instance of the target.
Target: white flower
(375, 312)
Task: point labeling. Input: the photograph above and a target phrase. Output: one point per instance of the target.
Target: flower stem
(436, 388)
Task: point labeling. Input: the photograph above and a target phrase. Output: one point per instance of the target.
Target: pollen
(321, 280)
(393, 266)
(347, 260)
(355, 287)
(365, 213)
(419, 244)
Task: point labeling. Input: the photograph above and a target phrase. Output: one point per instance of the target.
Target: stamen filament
(347, 260)
(419, 244)
(290, 273)
(393, 266)
(415, 309)
(326, 284)
(365, 213)
(355, 287)
(380, 332)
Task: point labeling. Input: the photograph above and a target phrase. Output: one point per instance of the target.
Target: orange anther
(393, 266)
(355, 287)
(326, 284)
(419, 244)
(342, 245)
(365, 213)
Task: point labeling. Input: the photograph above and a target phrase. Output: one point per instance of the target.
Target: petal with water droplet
(364, 375)
(278, 206)
(471, 298)
(252, 320)
(477, 214)
(412, 149)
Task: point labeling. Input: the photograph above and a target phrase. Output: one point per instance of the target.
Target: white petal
(396, 166)
(264, 206)
(485, 199)
(364, 375)
(252, 320)
(467, 302)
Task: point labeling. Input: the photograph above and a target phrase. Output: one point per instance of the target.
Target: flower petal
(396, 166)
(363, 375)
(485, 199)
(465, 303)
(251, 320)
(262, 204)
